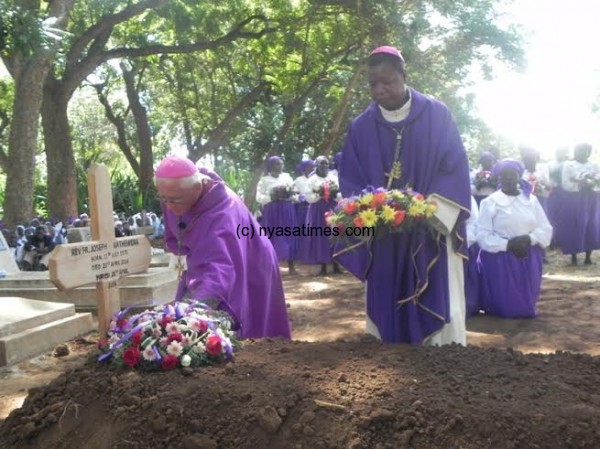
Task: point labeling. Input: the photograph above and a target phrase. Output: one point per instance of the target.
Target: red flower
(399, 218)
(122, 322)
(419, 197)
(341, 228)
(203, 326)
(136, 338)
(166, 320)
(358, 222)
(213, 345)
(169, 362)
(174, 337)
(102, 343)
(131, 356)
(349, 208)
(378, 199)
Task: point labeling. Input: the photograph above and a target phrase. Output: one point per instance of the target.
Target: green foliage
(24, 30)
(237, 101)
(127, 197)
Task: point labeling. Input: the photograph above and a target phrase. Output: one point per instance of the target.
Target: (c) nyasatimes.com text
(249, 231)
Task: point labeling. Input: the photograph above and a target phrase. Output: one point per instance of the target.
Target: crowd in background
(32, 244)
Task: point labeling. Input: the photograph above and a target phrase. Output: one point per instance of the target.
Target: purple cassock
(242, 273)
(433, 161)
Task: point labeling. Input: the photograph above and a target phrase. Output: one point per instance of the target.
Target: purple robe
(319, 249)
(281, 214)
(302, 242)
(577, 221)
(510, 287)
(241, 272)
(472, 282)
(433, 161)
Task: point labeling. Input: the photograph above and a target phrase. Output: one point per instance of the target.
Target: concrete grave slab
(30, 327)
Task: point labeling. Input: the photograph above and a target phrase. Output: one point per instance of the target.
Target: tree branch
(104, 26)
(119, 123)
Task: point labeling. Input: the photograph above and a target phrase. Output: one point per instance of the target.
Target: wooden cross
(105, 259)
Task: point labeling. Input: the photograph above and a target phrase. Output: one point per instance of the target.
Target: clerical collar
(399, 114)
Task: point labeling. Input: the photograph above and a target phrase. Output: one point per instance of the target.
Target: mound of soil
(343, 394)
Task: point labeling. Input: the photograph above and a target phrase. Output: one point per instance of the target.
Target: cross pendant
(395, 173)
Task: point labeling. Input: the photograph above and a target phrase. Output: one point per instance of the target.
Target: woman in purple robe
(483, 182)
(578, 227)
(415, 280)
(275, 194)
(321, 193)
(305, 168)
(513, 231)
(221, 256)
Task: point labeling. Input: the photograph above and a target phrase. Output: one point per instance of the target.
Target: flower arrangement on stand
(484, 179)
(282, 192)
(385, 211)
(185, 334)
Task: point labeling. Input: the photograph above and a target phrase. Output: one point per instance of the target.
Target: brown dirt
(513, 387)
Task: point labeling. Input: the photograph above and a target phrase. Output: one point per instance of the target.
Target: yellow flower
(417, 208)
(368, 217)
(397, 195)
(431, 208)
(387, 213)
(366, 199)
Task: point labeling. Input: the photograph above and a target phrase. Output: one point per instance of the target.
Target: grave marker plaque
(104, 259)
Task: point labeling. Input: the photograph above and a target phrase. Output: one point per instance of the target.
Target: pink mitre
(388, 50)
(175, 167)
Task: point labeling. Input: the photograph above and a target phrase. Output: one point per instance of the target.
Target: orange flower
(399, 218)
(358, 222)
(378, 199)
(349, 208)
(419, 197)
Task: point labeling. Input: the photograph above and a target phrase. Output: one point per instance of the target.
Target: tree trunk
(336, 128)
(22, 143)
(29, 75)
(144, 135)
(62, 176)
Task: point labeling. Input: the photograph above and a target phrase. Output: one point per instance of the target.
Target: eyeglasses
(172, 200)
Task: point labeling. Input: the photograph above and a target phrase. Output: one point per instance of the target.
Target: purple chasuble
(396, 266)
(242, 273)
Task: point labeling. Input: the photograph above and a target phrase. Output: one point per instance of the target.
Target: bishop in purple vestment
(201, 218)
(409, 279)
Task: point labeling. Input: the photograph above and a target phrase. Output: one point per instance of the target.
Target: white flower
(185, 360)
(156, 332)
(113, 339)
(224, 339)
(163, 341)
(172, 328)
(148, 353)
(194, 325)
(186, 341)
(201, 348)
(175, 348)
